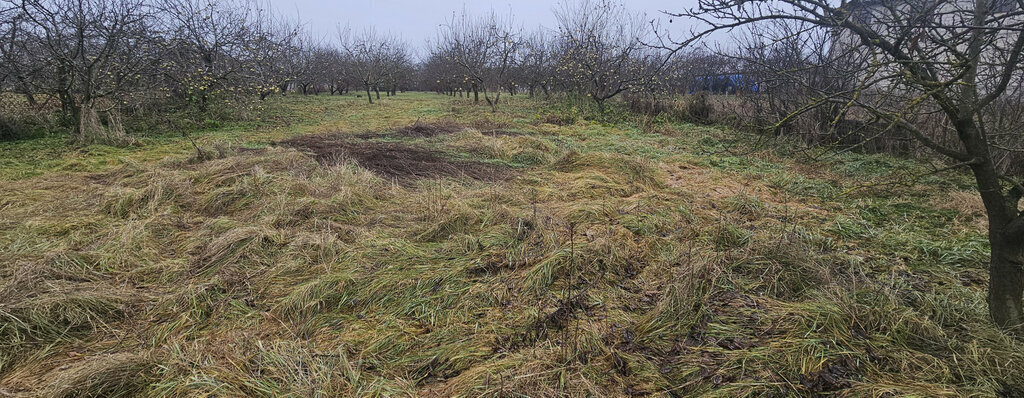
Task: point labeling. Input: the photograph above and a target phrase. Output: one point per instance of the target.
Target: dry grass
(967, 204)
(609, 262)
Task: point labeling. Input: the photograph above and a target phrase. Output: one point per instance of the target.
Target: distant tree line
(98, 60)
(599, 50)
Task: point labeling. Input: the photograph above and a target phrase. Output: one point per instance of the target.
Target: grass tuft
(111, 375)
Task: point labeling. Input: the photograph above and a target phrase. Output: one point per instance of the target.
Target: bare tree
(310, 59)
(217, 47)
(337, 72)
(603, 52)
(947, 73)
(396, 66)
(537, 62)
(92, 54)
(16, 49)
(268, 62)
(9, 14)
(484, 50)
(369, 55)
(440, 74)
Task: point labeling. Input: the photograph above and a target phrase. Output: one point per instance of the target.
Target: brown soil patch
(427, 130)
(439, 128)
(419, 130)
(392, 160)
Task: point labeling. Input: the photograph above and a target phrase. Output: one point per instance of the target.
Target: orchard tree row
(599, 50)
(100, 59)
(97, 60)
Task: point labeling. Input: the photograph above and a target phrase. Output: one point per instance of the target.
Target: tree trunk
(91, 128)
(76, 117)
(203, 99)
(26, 91)
(368, 97)
(493, 104)
(476, 94)
(1006, 284)
(1005, 233)
(67, 110)
(377, 90)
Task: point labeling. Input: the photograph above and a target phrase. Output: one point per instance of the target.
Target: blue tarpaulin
(724, 84)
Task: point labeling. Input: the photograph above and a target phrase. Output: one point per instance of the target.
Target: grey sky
(417, 20)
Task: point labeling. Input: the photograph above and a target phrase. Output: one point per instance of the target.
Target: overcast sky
(417, 20)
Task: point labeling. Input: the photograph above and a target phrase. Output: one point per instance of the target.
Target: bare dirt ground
(394, 160)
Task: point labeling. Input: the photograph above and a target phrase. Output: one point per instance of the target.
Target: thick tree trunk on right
(1005, 232)
(1006, 284)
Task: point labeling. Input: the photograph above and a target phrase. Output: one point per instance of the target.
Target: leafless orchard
(916, 77)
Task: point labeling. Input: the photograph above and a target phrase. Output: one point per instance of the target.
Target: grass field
(423, 246)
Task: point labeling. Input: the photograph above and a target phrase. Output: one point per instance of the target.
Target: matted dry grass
(593, 271)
